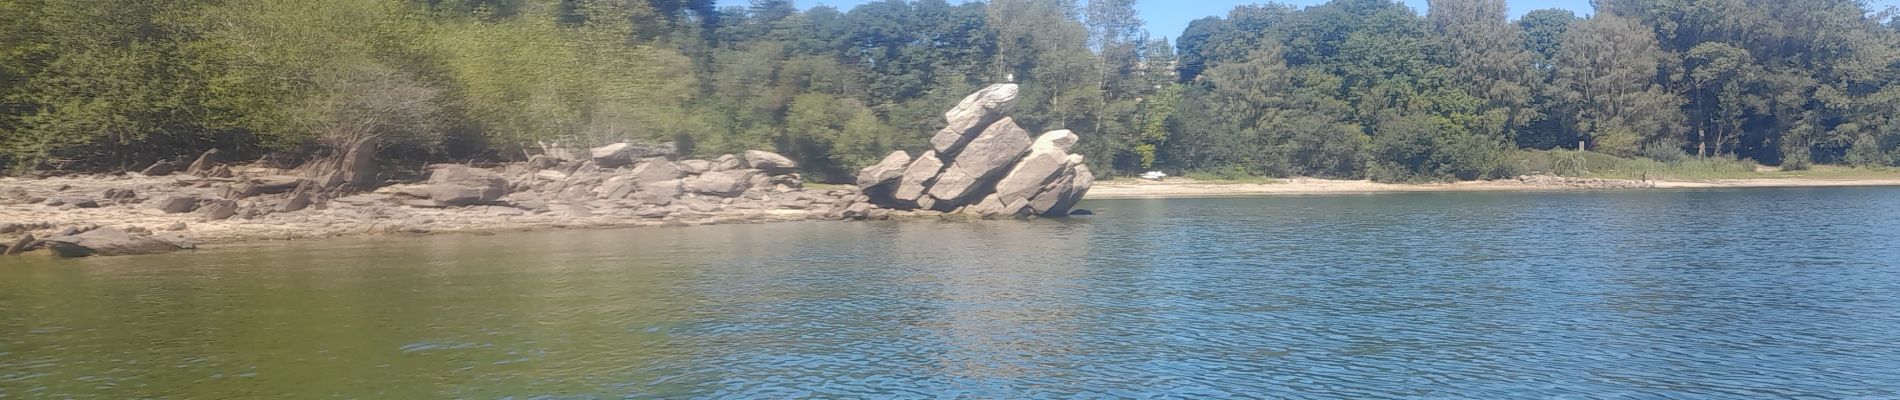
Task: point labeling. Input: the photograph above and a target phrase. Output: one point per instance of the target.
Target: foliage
(1343, 89)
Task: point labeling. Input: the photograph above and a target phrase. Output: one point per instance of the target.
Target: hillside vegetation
(1346, 89)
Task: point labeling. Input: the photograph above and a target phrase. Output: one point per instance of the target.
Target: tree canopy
(1347, 89)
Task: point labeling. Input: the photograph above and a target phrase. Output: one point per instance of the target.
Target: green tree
(1606, 79)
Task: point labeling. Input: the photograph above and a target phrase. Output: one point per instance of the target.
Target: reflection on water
(1721, 294)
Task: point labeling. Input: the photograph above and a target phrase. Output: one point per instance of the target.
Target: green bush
(1589, 164)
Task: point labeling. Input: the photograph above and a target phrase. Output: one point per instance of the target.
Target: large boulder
(722, 183)
(204, 163)
(769, 161)
(1061, 196)
(218, 210)
(969, 118)
(160, 168)
(177, 204)
(695, 167)
(623, 154)
(109, 242)
(727, 163)
(880, 180)
(73, 201)
(918, 177)
(884, 173)
(460, 185)
(274, 184)
(661, 193)
(1048, 159)
(982, 162)
(656, 170)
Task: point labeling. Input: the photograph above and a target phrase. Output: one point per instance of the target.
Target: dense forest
(1346, 89)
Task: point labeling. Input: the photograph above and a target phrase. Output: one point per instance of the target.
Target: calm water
(1716, 294)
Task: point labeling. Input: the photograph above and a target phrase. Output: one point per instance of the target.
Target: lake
(1739, 294)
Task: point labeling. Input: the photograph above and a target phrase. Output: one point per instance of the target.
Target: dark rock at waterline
(74, 201)
(19, 246)
(119, 194)
(113, 242)
(160, 168)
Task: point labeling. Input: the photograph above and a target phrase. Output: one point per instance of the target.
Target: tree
(1606, 79)
(1544, 31)
(1488, 55)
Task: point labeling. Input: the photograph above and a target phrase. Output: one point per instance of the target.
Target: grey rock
(699, 205)
(424, 203)
(622, 154)
(160, 168)
(551, 175)
(617, 188)
(108, 241)
(203, 165)
(695, 167)
(73, 202)
(918, 176)
(296, 202)
(656, 170)
(1061, 196)
(968, 119)
(613, 156)
(177, 204)
(727, 163)
(274, 184)
(175, 239)
(462, 185)
(858, 211)
(578, 209)
(453, 194)
(721, 183)
(769, 161)
(218, 210)
(881, 179)
(983, 162)
(119, 194)
(1047, 160)
(661, 193)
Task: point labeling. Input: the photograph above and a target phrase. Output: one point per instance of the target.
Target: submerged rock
(112, 242)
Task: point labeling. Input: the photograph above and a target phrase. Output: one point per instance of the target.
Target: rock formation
(983, 163)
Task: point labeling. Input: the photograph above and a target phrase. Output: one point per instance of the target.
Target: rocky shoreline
(981, 166)
(135, 213)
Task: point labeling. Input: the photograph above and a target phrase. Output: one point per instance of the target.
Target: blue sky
(1170, 17)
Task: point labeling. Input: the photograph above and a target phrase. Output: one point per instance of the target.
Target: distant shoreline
(1187, 188)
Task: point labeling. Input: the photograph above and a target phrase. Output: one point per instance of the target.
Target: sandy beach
(1186, 188)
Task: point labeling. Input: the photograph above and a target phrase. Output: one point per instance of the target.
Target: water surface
(1697, 294)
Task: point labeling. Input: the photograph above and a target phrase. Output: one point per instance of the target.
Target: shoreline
(1186, 188)
(343, 219)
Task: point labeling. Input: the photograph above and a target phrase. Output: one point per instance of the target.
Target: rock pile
(66, 215)
(982, 163)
